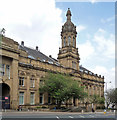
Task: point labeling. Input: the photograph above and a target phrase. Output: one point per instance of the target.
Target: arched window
(74, 65)
(64, 42)
(69, 40)
(73, 42)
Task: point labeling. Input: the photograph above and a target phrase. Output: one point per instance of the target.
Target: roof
(85, 70)
(37, 55)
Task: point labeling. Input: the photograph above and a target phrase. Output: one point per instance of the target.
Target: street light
(106, 93)
(106, 86)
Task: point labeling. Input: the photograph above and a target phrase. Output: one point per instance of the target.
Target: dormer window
(64, 43)
(69, 41)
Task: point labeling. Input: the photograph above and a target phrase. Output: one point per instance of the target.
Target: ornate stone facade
(22, 68)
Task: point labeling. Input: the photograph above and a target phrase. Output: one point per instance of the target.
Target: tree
(111, 97)
(96, 99)
(62, 88)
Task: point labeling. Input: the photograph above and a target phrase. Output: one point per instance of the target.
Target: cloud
(99, 47)
(105, 43)
(109, 75)
(101, 30)
(37, 23)
(80, 28)
(86, 50)
(93, 1)
(107, 20)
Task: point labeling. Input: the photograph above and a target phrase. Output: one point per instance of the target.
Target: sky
(39, 23)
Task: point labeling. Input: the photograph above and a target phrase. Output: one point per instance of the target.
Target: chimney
(22, 43)
(50, 56)
(37, 48)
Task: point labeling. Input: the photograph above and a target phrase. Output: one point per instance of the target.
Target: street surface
(55, 115)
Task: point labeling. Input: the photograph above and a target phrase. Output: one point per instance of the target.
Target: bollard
(104, 111)
(82, 111)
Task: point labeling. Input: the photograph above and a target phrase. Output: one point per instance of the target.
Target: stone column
(71, 103)
(15, 84)
(76, 101)
(95, 90)
(92, 91)
(45, 98)
(100, 91)
(28, 91)
(37, 92)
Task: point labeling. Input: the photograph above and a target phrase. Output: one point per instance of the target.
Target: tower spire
(68, 15)
(68, 55)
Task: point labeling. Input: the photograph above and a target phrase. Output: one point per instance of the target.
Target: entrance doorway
(74, 101)
(5, 96)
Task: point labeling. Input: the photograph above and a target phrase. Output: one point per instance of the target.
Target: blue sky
(39, 24)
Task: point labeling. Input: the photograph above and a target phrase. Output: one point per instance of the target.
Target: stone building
(22, 68)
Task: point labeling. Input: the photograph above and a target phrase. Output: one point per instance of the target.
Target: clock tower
(68, 54)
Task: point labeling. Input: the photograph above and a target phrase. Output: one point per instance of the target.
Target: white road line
(57, 117)
(91, 115)
(81, 116)
(71, 117)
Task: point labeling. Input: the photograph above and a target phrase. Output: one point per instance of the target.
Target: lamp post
(106, 86)
(106, 93)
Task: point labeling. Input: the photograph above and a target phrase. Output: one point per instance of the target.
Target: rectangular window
(90, 90)
(32, 82)
(21, 98)
(21, 81)
(2, 69)
(8, 71)
(41, 98)
(32, 98)
(94, 90)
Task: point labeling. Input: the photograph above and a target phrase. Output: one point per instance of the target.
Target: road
(32, 115)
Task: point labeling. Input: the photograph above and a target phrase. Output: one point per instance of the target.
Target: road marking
(57, 117)
(81, 116)
(71, 117)
(91, 115)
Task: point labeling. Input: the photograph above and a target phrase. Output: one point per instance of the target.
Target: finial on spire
(68, 14)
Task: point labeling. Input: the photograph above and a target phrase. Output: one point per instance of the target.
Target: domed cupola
(68, 26)
(68, 54)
